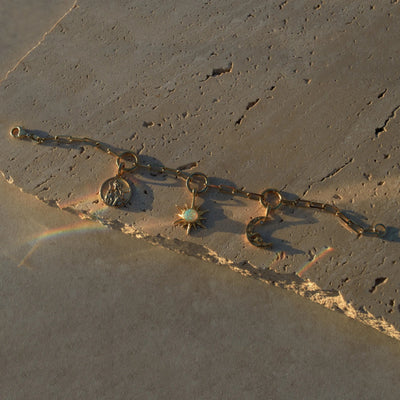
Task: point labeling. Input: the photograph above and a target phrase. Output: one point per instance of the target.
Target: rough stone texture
(87, 312)
(26, 23)
(301, 96)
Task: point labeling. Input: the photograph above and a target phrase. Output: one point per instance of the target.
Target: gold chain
(116, 191)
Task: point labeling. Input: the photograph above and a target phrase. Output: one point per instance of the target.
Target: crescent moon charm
(254, 237)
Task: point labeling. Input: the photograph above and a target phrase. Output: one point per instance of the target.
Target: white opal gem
(190, 215)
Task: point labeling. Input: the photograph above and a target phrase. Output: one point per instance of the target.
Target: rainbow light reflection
(61, 231)
(315, 259)
(79, 227)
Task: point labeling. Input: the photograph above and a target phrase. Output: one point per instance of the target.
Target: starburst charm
(190, 217)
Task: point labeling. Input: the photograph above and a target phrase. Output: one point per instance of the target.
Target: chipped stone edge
(330, 299)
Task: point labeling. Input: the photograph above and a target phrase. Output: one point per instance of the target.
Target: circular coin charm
(115, 192)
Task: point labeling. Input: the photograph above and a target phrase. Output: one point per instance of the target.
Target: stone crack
(379, 130)
(330, 175)
(75, 5)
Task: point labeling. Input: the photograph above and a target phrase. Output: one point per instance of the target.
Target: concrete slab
(23, 26)
(88, 312)
(289, 95)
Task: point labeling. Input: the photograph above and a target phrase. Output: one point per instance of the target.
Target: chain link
(21, 133)
(378, 230)
(235, 191)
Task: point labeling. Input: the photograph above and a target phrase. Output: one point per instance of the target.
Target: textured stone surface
(87, 312)
(294, 95)
(23, 26)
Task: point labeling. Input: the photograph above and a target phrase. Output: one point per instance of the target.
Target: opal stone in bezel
(190, 215)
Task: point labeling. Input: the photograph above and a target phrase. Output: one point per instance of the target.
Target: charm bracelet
(117, 192)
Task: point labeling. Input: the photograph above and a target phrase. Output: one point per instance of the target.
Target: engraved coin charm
(115, 192)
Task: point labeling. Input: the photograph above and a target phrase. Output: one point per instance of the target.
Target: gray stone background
(91, 312)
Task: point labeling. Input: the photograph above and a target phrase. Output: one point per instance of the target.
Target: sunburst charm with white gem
(190, 217)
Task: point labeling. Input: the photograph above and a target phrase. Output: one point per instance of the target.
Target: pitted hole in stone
(378, 281)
